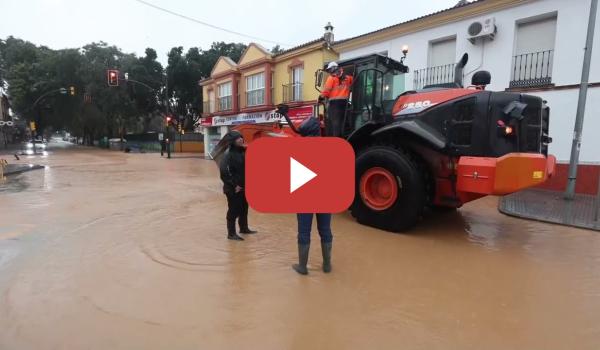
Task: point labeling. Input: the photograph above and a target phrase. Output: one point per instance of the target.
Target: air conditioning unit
(481, 30)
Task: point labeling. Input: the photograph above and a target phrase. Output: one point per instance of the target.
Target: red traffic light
(113, 77)
(168, 119)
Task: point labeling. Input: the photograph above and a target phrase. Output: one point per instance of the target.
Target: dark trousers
(237, 209)
(323, 226)
(335, 117)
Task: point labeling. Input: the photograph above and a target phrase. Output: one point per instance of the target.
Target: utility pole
(585, 75)
(180, 135)
(168, 133)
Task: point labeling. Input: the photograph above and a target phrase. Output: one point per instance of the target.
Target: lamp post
(61, 90)
(167, 112)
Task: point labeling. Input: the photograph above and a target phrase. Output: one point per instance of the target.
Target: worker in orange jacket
(337, 92)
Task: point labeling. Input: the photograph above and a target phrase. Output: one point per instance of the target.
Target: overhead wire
(210, 25)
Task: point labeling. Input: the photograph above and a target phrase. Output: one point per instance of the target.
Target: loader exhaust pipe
(458, 69)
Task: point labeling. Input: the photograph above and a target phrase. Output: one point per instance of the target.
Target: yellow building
(248, 91)
(294, 73)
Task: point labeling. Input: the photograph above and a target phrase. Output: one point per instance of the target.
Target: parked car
(38, 144)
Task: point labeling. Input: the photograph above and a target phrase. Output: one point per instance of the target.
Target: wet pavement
(107, 250)
(582, 211)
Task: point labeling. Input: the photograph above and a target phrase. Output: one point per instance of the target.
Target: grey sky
(133, 26)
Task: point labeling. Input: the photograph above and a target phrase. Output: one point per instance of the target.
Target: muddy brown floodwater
(106, 250)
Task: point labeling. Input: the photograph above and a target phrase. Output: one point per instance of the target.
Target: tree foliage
(29, 72)
(185, 70)
(276, 49)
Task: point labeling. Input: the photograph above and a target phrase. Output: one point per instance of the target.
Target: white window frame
(255, 89)
(297, 81)
(438, 41)
(519, 74)
(225, 96)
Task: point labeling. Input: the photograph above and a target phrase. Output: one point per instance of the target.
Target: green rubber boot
(326, 249)
(302, 259)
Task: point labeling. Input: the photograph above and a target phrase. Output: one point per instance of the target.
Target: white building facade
(537, 48)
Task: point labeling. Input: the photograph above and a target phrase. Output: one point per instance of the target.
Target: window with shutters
(534, 52)
(440, 64)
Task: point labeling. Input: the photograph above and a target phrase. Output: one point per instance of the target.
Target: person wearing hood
(311, 127)
(232, 169)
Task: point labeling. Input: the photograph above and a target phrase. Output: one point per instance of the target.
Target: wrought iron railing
(206, 107)
(292, 92)
(434, 75)
(225, 103)
(532, 69)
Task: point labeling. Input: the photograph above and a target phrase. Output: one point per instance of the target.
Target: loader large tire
(390, 189)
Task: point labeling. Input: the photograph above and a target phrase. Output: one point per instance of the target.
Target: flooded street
(107, 250)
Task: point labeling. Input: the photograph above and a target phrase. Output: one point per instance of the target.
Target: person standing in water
(232, 169)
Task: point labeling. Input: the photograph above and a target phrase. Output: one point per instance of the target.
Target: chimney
(328, 36)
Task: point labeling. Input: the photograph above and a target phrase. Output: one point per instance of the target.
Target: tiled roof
(458, 5)
(299, 47)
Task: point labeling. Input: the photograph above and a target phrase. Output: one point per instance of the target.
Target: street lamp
(61, 90)
(114, 75)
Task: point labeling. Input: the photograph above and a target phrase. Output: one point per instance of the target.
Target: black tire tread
(416, 163)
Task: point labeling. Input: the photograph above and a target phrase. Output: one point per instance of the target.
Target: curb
(549, 207)
(18, 169)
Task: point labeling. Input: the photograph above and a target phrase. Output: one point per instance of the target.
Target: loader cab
(378, 81)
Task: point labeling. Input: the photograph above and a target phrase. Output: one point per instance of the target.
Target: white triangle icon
(299, 175)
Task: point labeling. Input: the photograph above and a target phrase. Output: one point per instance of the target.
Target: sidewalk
(549, 206)
(12, 169)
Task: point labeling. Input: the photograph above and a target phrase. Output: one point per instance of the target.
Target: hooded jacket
(232, 168)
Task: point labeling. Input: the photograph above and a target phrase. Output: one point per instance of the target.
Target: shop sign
(248, 118)
(206, 121)
(301, 112)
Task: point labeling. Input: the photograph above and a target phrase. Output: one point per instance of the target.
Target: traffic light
(72, 90)
(113, 77)
(168, 120)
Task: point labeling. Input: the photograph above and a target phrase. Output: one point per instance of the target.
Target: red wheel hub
(378, 188)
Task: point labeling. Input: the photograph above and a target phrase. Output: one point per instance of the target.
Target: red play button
(300, 175)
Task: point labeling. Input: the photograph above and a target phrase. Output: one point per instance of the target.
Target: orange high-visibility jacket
(336, 90)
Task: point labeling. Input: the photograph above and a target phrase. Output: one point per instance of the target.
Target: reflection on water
(116, 256)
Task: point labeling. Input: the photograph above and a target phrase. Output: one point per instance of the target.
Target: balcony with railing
(532, 69)
(443, 74)
(206, 107)
(292, 92)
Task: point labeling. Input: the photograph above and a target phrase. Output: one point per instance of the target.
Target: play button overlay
(300, 175)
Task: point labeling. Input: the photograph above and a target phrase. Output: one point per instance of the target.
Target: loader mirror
(319, 79)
